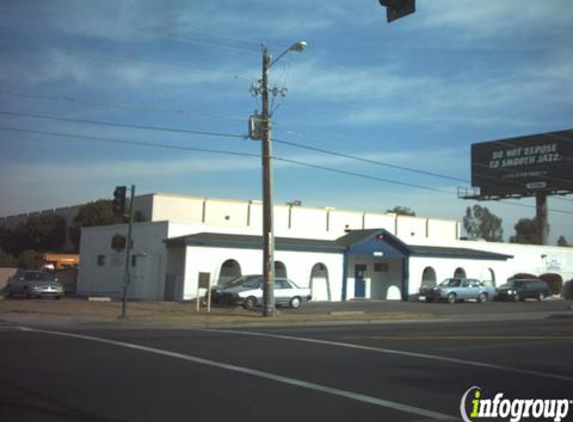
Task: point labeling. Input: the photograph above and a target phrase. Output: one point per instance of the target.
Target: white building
(340, 255)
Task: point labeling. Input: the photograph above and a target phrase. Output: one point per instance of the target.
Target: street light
(269, 308)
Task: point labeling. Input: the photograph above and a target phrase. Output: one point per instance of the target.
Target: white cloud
(372, 95)
(487, 18)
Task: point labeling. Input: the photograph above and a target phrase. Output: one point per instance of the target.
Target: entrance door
(359, 284)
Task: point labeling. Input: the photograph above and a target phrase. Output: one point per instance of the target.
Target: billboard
(524, 166)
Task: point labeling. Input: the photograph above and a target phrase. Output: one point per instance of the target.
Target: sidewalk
(81, 312)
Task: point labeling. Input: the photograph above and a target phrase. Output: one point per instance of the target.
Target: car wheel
(57, 297)
(429, 299)
(482, 297)
(540, 297)
(250, 303)
(27, 293)
(8, 292)
(295, 302)
(452, 298)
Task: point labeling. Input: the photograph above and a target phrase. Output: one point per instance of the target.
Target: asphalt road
(391, 372)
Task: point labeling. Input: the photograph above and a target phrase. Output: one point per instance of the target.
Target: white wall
(380, 221)
(339, 221)
(178, 208)
(410, 228)
(298, 265)
(148, 276)
(379, 285)
(445, 268)
(533, 259)
(289, 220)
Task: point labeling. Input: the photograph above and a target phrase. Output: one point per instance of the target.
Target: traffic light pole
(126, 275)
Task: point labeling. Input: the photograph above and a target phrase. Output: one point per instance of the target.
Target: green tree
(402, 211)
(5, 238)
(562, 241)
(28, 259)
(97, 213)
(44, 232)
(6, 259)
(525, 232)
(480, 223)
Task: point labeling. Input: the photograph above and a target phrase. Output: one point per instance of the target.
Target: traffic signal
(396, 9)
(119, 201)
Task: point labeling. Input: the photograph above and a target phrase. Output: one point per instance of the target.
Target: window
(101, 260)
(281, 284)
(381, 267)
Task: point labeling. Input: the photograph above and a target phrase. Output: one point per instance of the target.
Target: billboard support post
(541, 218)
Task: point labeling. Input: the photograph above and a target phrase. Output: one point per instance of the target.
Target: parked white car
(247, 291)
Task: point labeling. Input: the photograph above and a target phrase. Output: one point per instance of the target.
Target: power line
(379, 179)
(122, 125)
(281, 141)
(404, 168)
(109, 105)
(219, 134)
(361, 175)
(129, 142)
(100, 56)
(249, 155)
(367, 160)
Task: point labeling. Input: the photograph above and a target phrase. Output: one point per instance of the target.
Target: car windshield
(245, 281)
(254, 283)
(516, 283)
(235, 282)
(40, 276)
(451, 282)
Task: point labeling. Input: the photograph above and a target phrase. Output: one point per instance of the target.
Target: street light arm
(298, 47)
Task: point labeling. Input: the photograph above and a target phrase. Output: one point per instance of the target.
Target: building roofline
(241, 241)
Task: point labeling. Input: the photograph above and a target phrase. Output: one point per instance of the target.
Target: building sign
(119, 241)
(524, 166)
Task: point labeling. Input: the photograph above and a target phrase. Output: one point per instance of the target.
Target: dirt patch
(80, 309)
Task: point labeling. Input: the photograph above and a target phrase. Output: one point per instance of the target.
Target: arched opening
(488, 277)
(229, 270)
(554, 281)
(428, 280)
(460, 273)
(280, 270)
(319, 283)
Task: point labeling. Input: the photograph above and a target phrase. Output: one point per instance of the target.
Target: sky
(157, 94)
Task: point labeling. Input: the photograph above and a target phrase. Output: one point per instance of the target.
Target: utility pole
(126, 275)
(269, 308)
(260, 129)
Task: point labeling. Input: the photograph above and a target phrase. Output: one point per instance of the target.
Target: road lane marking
(261, 374)
(463, 337)
(400, 353)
